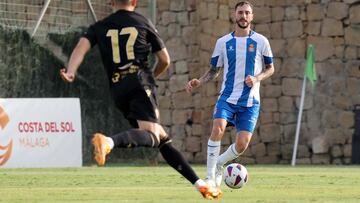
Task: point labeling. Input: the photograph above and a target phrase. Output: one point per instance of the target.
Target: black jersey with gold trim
(124, 38)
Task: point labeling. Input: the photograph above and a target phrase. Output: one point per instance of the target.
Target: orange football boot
(101, 148)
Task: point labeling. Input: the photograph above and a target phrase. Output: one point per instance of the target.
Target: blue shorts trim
(244, 118)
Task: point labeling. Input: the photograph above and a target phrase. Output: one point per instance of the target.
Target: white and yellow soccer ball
(235, 175)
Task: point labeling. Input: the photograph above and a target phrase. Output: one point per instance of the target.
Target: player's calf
(135, 138)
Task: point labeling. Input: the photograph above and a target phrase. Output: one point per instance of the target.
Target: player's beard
(243, 25)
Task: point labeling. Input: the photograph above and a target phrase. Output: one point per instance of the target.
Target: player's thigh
(243, 138)
(150, 126)
(155, 128)
(143, 105)
(219, 125)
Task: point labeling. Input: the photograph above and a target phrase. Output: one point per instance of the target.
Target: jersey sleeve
(91, 35)
(217, 58)
(267, 53)
(154, 38)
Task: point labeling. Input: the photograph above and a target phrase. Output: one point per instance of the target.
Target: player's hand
(192, 84)
(67, 76)
(250, 80)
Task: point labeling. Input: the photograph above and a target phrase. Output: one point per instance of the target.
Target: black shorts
(137, 102)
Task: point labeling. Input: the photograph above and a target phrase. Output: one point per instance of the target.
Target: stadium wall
(190, 29)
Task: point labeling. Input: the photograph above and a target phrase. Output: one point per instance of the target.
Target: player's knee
(150, 127)
(155, 139)
(164, 141)
(242, 143)
(156, 135)
(217, 132)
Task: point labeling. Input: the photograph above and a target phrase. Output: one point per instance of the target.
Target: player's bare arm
(211, 74)
(162, 63)
(268, 71)
(77, 56)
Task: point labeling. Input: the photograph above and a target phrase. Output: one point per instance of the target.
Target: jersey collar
(251, 33)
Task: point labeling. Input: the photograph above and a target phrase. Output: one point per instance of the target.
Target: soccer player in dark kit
(125, 39)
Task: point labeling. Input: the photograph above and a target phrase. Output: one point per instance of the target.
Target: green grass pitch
(132, 183)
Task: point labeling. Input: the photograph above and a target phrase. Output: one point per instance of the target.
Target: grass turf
(131, 183)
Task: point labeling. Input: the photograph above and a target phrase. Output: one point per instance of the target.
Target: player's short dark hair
(241, 3)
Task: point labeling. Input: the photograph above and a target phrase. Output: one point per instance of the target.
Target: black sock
(135, 138)
(174, 158)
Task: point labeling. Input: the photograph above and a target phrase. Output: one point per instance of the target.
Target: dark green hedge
(29, 70)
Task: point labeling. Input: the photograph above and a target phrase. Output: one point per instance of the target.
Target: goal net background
(61, 15)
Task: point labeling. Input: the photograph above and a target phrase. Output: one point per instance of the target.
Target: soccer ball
(235, 175)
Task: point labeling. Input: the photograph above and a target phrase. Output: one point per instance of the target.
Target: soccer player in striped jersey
(246, 58)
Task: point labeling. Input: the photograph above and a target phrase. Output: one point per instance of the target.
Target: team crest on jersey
(231, 48)
(251, 48)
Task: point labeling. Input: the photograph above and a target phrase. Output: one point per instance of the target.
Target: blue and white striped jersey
(240, 57)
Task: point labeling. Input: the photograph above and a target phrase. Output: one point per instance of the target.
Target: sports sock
(199, 183)
(174, 158)
(213, 152)
(110, 142)
(228, 155)
(135, 138)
